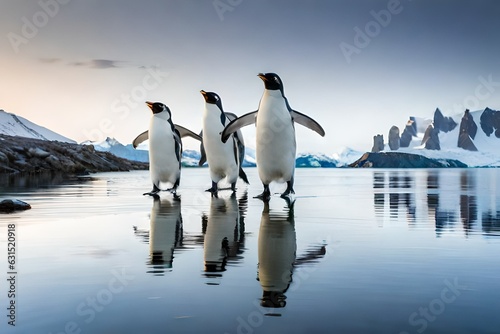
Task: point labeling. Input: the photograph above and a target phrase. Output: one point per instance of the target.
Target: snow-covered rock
(488, 145)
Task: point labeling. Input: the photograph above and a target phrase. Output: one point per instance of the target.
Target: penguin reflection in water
(165, 232)
(223, 230)
(277, 247)
(275, 132)
(224, 159)
(165, 148)
(164, 235)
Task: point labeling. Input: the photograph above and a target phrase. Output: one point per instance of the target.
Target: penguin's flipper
(183, 132)
(307, 121)
(140, 138)
(237, 124)
(238, 137)
(178, 147)
(230, 116)
(203, 157)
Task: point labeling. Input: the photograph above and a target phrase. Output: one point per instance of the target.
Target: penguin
(275, 132)
(165, 148)
(224, 159)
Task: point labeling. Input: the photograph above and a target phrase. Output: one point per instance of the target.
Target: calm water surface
(361, 251)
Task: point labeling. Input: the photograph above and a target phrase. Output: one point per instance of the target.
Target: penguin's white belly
(220, 156)
(276, 145)
(163, 163)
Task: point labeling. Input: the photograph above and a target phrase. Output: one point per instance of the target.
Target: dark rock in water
(490, 122)
(378, 143)
(431, 138)
(468, 130)
(442, 123)
(408, 133)
(394, 138)
(403, 160)
(11, 205)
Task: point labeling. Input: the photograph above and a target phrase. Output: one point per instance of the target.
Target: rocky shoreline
(403, 160)
(26, 155)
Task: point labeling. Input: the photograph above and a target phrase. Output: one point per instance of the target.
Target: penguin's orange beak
(262, 76)
(150, 104)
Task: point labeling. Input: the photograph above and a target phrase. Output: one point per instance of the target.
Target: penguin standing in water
(165, 148)
(224, 159)
(276, 146)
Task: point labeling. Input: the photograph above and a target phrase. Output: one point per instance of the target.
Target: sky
(85, 68)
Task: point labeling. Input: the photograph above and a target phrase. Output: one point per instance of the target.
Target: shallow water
(361, 251)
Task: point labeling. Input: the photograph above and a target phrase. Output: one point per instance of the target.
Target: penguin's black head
(158, 107)
(271, 81)
(212, 98)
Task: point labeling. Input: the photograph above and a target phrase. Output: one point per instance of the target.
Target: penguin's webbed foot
(289, 199)
(213, 190)
(266, 194)
(287, 192)
(173, 191)
(153, 192)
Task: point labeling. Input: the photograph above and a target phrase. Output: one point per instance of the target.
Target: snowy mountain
(13, 125)
(440, 137)
(341, 159)
(190, 158)
(113, 146)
